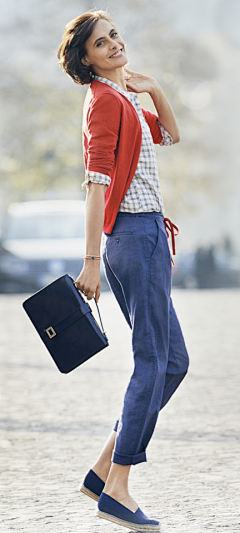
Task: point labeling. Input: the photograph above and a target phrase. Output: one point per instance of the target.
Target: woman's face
(105, 49)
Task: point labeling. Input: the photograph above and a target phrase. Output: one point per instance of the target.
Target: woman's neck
(116, 76)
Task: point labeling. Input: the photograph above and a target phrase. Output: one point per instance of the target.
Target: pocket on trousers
(122, 252)
(151, 239)
(116, 233)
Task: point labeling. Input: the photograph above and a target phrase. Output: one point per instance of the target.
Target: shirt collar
(114, 86)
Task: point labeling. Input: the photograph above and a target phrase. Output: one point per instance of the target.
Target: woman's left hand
(139, 83)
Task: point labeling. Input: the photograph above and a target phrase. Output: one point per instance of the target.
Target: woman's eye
(114, 33)
(100, 43)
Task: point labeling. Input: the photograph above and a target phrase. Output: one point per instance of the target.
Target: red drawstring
(170, 227)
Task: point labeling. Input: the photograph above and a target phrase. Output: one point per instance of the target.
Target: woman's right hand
(89, 279)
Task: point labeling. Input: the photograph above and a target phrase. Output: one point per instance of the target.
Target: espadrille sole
(129, 525)
(89, 493)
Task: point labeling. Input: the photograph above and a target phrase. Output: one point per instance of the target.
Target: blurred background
(192, 47)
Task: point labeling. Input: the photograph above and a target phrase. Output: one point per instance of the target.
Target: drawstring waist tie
(174, 231)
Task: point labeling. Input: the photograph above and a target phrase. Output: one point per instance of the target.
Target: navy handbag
(65, 323)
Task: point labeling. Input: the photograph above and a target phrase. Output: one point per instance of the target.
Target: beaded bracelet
(92, 257)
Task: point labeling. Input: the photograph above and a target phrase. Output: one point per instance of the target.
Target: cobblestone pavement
(53, 425)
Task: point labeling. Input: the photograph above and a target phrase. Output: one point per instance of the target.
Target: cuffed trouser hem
(129, 459)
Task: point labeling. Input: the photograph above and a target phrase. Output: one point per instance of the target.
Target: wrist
(93, 264)
(154, 88)
(92, 257)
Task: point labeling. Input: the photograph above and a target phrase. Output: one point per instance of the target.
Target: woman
(124, 201)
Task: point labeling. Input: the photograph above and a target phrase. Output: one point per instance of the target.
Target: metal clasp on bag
(50, 332)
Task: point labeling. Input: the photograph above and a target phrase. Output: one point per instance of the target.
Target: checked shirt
(144, 193)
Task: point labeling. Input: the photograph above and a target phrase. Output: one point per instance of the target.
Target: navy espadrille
(92, 485)
(114, 511)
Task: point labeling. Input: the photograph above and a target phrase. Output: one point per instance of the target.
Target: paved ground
(53, 426)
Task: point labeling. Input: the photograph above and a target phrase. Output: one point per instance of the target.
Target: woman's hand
(89, 279)
(139, 83)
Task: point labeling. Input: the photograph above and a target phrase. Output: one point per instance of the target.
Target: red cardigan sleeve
(152, 121)
(102, 132)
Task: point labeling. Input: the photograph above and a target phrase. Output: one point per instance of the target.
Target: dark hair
(72, 48)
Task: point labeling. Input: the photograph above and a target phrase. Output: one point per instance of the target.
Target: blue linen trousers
(137, 263)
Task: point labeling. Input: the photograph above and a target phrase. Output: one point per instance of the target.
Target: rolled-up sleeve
(159, 134)
(166, 137)
(96, 177)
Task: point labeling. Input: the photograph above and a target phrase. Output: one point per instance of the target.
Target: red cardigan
(112, 138)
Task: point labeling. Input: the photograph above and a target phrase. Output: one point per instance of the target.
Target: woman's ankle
(117, 481)
(104, 461)
(123, 497)
(101, 470)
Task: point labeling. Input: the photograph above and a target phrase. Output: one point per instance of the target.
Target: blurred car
(40, 242)
(183, 271)
(205, 269)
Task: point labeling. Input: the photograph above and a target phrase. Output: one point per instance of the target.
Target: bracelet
(92, 257)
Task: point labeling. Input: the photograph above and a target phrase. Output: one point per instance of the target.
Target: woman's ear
(85, 61)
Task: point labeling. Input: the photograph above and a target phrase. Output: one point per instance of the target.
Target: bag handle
(80, 292)
(101, 324)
